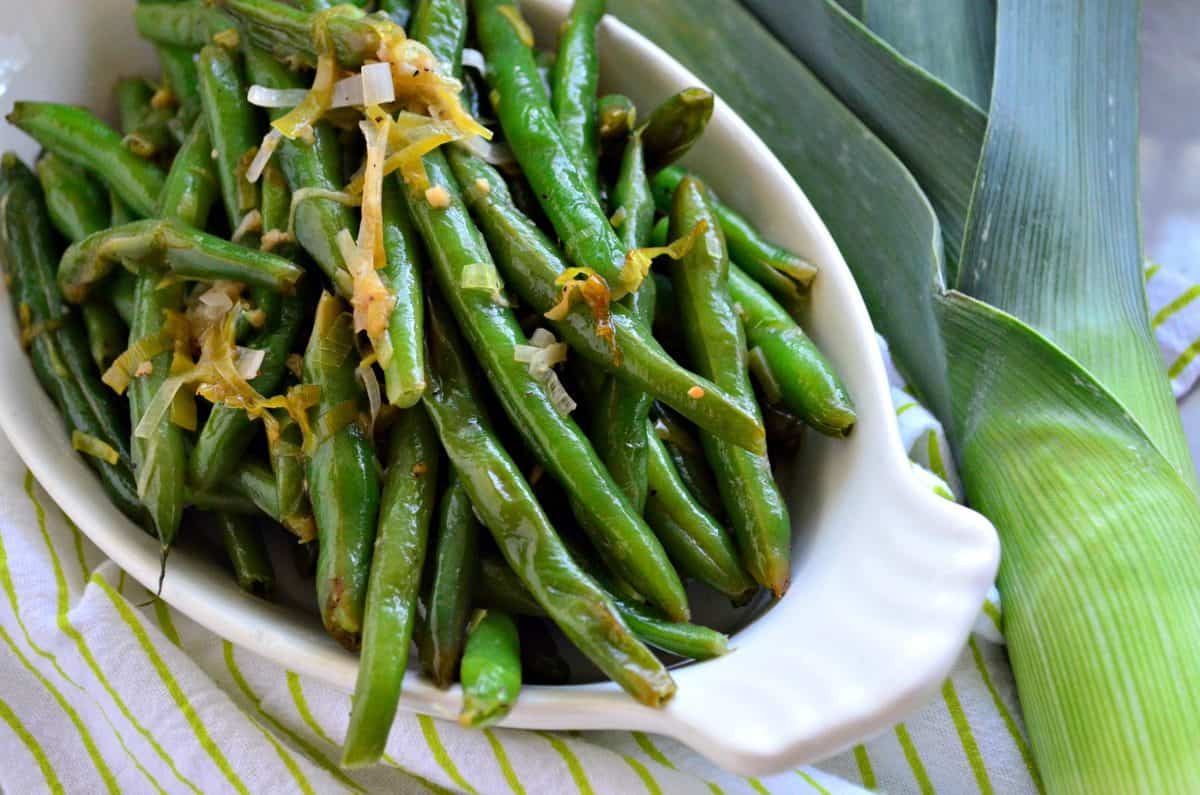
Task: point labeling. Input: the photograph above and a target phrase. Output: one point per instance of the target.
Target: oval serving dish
(887, 577)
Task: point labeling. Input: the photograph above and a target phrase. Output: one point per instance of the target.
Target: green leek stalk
(992, 226)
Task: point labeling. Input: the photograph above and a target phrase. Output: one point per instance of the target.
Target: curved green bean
(441, 25)
(619, 421)
(409, 501)
(450, 585)
(290, 33)
(77, 205)
(808, 383)
(342, 478)
(491, 669)
(27, 251)
(403, 360)
(233, 125)
(716, 342)
(627, 544)
(785, 275)
(247, 553)
(500, 589)
(574, 79)
(507, 507)
(696, 542)
(153, 245)
(564, 190)
(80, 138)
(616, 116)
(675, 126)
(531, 263)
(189, 24)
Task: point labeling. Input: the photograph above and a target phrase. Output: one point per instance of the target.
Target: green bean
(449, 585)
(491, 669)
(150, 246)
(275, 204)
(343, 482)
(27, 251)
(191, 186)
(80, 138)
(565, 191)
(107, 334)
(623, 538)
(696, 542)
(500, 589)
(189, 24)
(617, 116)
(409, 501)
(573, 92)
(675, 126)
(808, 383)
(688, 457)
(442, 27)
(229, 431)
(133, 101)
(224, 501)
(247, 552)
(251, 482)
(160, 458)
(541, 662)
(716, 342)
(400, 11)
(152, 135)
(287, 464)
(180, 75)
(785, 275)
(531, 263)
(507, 507)
(233, 125)
(77, 205)
(289, 33)
(312, 166)
(403, 357)
(618, 424)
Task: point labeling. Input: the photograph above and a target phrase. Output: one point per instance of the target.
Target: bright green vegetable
(808, 383)
(573, 86)
(80, 138)
(77, 205)
(696, 542)
(403, 360)
(56, 343)
(507, 507)
(233, 125)
(247, 553)
(491, 669)
(407, 507)
(675, 126)
(449, 585)
(342, 479)
(717, 345)
(531, 263)
(152, 246)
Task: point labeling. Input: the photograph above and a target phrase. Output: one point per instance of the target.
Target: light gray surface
(1170, 151)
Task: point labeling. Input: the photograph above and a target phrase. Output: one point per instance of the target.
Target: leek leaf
(1053, 236)
(1099, 536)
(952, 39)
(936, 131)
(888, 232)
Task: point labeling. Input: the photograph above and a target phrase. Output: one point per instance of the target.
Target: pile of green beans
(405, 472)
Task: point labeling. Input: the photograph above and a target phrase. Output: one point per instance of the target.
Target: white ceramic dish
(887, 577)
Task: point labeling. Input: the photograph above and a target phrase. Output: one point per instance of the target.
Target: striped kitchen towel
(103, 689)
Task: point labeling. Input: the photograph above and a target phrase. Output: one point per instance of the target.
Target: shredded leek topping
(586, 284)
(484, 277)
(304, 194)
(97, 448)
(542, 355)
(638, 261)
